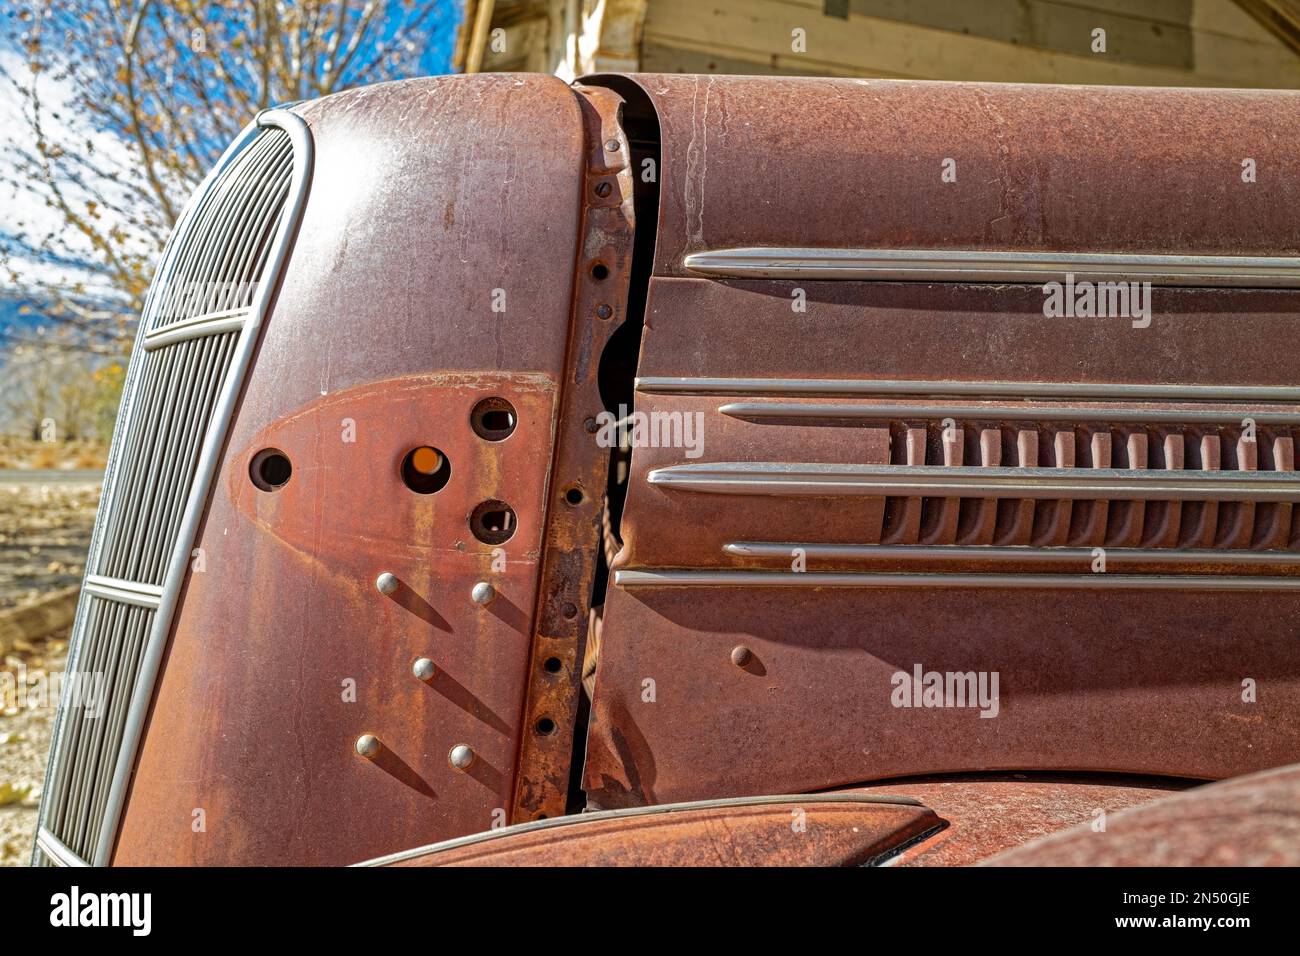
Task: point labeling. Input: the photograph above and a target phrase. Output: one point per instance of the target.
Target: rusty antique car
(674, 469)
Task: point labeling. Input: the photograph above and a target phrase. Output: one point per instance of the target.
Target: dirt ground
(44, 536)
(24, 454)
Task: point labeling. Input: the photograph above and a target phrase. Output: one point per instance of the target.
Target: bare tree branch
(128, 103)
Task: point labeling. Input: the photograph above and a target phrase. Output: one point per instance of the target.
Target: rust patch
(1249, 821)
(786, 832)
(984, 815)
(573, 526)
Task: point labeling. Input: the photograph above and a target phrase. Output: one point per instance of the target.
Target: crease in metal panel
(884, 388)
(1024, 554)
(209, 461)
(783, 412)
(831, 480)
(865, 579)
(948, 265)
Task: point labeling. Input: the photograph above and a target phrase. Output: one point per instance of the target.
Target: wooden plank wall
(1149, 42)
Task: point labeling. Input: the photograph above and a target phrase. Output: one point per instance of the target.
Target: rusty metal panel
(601, 277)
(946, 334)
(985, 815)
(769, 161)
(1250, 821)
(1097, 673)
(433, 201)
(470, 239)
(1137, 682)
(814, 830)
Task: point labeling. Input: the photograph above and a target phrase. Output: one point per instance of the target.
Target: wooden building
(1214, 43)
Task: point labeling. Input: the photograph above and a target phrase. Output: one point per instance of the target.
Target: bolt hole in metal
(573, 495)
(600, 271)
(553, 665)
(545, 726)
(270, 469)
(493, 419)
(425, 470)
(493, 522)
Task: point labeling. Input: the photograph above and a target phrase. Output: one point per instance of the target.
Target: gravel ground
(24, 745)
(44, 535)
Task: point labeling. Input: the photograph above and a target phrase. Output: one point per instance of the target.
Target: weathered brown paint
(385, 317)
(1250, 821)
(1120, 681)
(267, 703)
(428, 197)
(771, 161)
(984, 815)
(786, 833)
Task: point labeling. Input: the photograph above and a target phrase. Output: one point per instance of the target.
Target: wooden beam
(478, 37)
(873, 45)
(1280, 17)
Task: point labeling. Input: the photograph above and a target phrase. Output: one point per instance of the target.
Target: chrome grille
(177, 393)
(111, 644)
(222, 255)
(988, 464)
(199, 325)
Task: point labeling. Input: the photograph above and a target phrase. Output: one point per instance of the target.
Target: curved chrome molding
(122, 427)
(1107, 484)
(865, 579)
(805, 413)
(123, 591)
(213, 323)
(657, 809)
(1024, 554)
(208, 463)
(948, 265)
(56, 850)
(887, 388)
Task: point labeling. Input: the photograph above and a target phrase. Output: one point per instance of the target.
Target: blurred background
(112, 111)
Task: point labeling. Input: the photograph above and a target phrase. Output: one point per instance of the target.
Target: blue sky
(433, 57)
